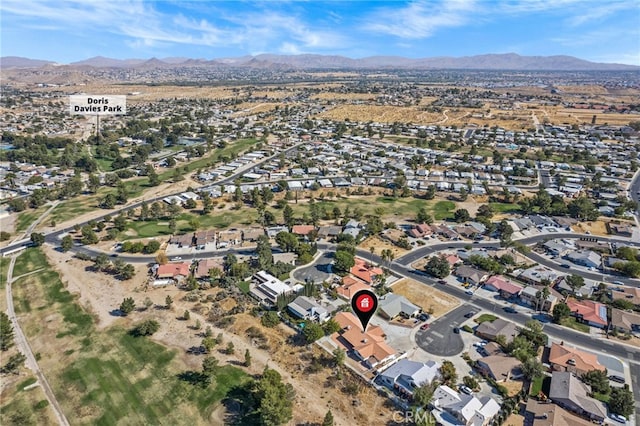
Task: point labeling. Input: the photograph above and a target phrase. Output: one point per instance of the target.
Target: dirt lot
(426, 297)
(595, 228)
(380, 244)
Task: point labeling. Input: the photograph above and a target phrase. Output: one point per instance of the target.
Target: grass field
(73, 208)
(4, 264)
(484, 318)
(505, 207)
(572, 323)
(27, 217)
(29, 260)
(108, 377)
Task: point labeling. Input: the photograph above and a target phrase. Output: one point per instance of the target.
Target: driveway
(440, 339)
(318, 271)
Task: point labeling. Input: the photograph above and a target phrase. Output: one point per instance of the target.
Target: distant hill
(506, 61)
(19, 62)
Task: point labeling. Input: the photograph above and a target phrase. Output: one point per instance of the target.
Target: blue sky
(67, 31)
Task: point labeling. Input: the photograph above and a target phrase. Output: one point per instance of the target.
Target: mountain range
(506, 61)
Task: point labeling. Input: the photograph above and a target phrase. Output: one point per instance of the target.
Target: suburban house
(420, 231)
(529, 296)
(452, 260)
(302, 230)
(538, 275)
(205, 265)
(365, 271)
(289, 258)
(632, 294)
(185, 240)
(330, 231)
(231, 237)
(176, 271)
(306, 308)
(470, 275)
(369, 347)
(566, 358)
(266, 288)
(499, 367)
(587, 258)
(394, 235)
(453, 408)
(588, 312)
(622, 230)
(491, 329)
(558, 247)
(538, 413)
(391, 305)
(351, 286)
(569, 392)
(625, 322)
(252, 234)
(562, 286)
(506, 288)
(204, 239)
(406, 375)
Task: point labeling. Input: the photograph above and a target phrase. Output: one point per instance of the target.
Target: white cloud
(420, 19)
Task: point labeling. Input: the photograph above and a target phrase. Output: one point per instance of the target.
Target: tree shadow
(195, 378)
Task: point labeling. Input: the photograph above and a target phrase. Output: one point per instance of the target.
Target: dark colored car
(423, 317)
(442, 282)
(469, 314)
(509, 309)
(617, 379)
(456, 330)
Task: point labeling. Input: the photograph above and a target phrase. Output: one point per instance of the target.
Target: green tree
(6, 332)
(270, 319)
(339, 356)
(331, 327)
(621, 401)
(328, 419)
(13, 364)
(146, 328)
(37, 239)
(312, 332)
(263, 250)
(560, 311)
(67, 243)
(287, 241)
(438, 267)
(598, 380)
(274, 399)
(423, 216)
(461, 215)
(583, 209)
(574, 281)
(343, 261)
(168, 301)
(247, 358)
(209, 366)
(423, 394)
(127, 306)
(532, 368)
(287, 215)
(208, 343)
(448, 373)
(152, 247)
(186, 315)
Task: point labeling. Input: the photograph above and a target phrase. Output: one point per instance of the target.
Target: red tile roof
(365, 271)
(172, 270)
(589, 310)
(302, 229)
(502, 284)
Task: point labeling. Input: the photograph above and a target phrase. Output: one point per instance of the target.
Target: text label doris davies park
(98, 105)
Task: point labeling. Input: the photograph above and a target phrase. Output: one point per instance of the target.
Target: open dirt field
(379, 244)
(428, 298)
(595, 228)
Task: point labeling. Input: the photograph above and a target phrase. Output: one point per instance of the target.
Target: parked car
(423, 317)
(565, 265)
(456, 330)
(617, 379)
(442, 282)
(469, 314)
(469, 292)
(618, 283)
(424, 326)
(176, 258)
(465, 389)
(618, 418)
(509, 309)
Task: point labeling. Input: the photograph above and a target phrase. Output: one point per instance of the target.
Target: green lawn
(443, 210)
(536, 386)
(29, 260)
(29, 216)
(4, 264)
(505, 207)
(484, 318)
(110, 377)
(572, 323)
(70, 209)
(244, 286)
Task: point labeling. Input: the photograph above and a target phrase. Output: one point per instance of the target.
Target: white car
(465, 389)
(176, 258)
(618, 418)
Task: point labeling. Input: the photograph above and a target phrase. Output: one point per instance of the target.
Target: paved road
(23, 346)
(439, 339)
(318, 271)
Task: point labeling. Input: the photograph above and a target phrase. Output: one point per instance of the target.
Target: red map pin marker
(364, 304)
